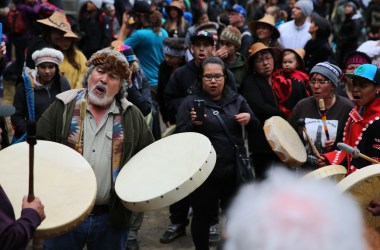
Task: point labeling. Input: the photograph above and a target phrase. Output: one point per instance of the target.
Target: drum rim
(160, 200)
(294, 160)
(51, 230)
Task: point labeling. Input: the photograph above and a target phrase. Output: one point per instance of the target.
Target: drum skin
(63, 180)
(337, 172)
(285, 141)
(165, 172)
(364, 186)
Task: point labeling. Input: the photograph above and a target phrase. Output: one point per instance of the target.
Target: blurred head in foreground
(286, 213)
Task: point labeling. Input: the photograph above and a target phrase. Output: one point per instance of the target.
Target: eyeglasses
(320, 82)
(210, 77)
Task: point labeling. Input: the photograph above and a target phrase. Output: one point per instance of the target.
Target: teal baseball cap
(367, 71)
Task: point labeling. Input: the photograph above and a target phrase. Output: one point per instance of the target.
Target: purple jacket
(15, 234)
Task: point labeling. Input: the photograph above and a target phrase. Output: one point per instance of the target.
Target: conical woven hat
(59, 21)
(268, 20)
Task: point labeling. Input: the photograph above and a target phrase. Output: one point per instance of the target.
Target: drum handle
(81, 124)
(31, 140)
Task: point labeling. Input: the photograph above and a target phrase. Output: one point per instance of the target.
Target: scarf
(117, 136)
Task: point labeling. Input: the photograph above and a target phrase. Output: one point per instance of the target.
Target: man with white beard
(113, 130)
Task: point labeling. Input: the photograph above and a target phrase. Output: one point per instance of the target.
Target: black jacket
(181, 84)
(230, 105)
(164, 74)
(317, 51)
(42, 99)
(264, 104)
(95, 33)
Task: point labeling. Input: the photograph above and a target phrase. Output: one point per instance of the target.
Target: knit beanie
(306, 7)
(231, 35)
(47, 55)
(331, 71)
(175, 46)
(353, 5)
(356, 57)
(127, 51)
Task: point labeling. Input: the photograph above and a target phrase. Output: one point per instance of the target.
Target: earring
(377, 93)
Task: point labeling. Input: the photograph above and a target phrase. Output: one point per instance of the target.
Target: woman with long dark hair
(175, 24)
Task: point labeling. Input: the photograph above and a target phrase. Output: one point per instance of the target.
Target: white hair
(286, 213)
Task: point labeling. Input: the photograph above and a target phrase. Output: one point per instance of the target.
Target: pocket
(108, 144)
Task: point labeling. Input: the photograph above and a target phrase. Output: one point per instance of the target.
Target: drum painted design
(165, 172)
(364, 185)
(336, 172)
(63, 179)
(285, 141)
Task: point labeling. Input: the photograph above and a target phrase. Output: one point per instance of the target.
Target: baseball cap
(239, 9)
(7, 110)
(203, 35)
(367, 71)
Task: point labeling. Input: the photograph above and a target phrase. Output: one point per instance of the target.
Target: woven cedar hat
(176, 5)
(257, 47)
(300, 54)
(59, 21)
(268, 20)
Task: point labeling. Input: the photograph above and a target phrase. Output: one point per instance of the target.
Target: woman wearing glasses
(324, 79)
(221, 185)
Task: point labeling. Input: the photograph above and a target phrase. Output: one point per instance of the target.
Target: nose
(104, 78)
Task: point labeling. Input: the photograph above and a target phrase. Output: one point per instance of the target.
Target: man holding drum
(102, 125)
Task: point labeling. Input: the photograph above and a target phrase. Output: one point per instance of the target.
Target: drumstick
(82, 116)
(355, 152)
(301, 123)
(31, 140)
(321, 103)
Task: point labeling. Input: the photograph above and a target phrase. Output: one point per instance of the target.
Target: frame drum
(63, 179)
(364, 185)
(165, 171)
(337, 172)
(285, 141)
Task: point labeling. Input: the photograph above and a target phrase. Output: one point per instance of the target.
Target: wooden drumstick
(81, 124)
(321, 103)
(301, 123)
(355, 152)
(31, 140)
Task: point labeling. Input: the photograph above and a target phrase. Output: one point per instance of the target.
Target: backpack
(16, 22)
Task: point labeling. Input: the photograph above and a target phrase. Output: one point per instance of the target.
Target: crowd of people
(140, 65)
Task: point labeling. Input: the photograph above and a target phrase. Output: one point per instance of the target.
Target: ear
(377, 90)
(192, 49)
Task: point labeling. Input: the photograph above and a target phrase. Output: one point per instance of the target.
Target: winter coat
(228, 106)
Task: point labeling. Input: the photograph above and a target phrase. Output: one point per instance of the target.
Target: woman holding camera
(221, 185)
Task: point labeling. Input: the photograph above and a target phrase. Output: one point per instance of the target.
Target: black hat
(141, 6)
(203, 35)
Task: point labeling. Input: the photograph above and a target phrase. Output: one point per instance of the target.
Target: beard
(100, 99)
